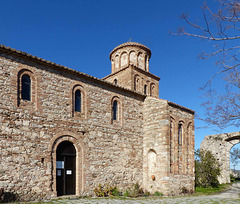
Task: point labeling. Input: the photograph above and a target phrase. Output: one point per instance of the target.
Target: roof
(181, 107)
(131, 44)
(135, 67)
(39, 60)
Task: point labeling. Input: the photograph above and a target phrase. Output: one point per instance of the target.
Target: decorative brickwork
(121, 131)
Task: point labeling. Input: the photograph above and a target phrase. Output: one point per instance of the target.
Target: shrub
(232, 178)
(184, 190)
(146, 194)
(126, 193)
(105, 191)
(156, 193)
(135, 191)
(206, 169)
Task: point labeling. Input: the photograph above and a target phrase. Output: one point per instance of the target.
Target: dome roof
(135, 44)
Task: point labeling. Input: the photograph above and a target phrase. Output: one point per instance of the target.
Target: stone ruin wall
(220, 146)
(110, 153)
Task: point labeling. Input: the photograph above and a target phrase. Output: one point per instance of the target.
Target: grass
(211, 191)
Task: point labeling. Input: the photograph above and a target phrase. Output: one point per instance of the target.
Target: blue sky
(80, 34)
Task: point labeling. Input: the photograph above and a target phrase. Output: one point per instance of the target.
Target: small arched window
(180, 133)
(145, 89)
(115, 110)
(26, 87)
(115, 81)
(152, 90)
(136, 83)
(78, 101)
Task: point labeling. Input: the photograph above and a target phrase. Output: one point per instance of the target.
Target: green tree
(206, 169)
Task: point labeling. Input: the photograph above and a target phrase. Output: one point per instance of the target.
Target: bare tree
(222, 27)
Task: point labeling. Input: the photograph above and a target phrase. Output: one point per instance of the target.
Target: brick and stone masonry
(122, 134)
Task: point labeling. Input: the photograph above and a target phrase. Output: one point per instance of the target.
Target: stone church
(63, 132)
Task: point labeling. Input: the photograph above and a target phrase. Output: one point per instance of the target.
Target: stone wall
(123, 77)
(107, 152)
(155, 145)
(167, 166)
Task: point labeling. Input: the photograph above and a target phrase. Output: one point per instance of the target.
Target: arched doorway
(235, 160)
(66, 168)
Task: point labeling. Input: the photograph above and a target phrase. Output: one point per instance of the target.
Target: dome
(131, 44)
(130, 53)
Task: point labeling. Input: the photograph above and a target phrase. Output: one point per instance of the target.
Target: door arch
(77, 141)
(66, 169)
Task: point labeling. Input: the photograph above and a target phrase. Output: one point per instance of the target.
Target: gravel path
(228, 197)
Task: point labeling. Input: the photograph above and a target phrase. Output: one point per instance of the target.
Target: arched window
(26, 87)
(188, 143)
(115, 81)
(152, 90)
(115, 110)
(145, 89)
(78, 101)
(140, 60)
(116, 63)
(180, 133)
(124, 59)
(133, 58)
(172, 144)
(136, 83)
